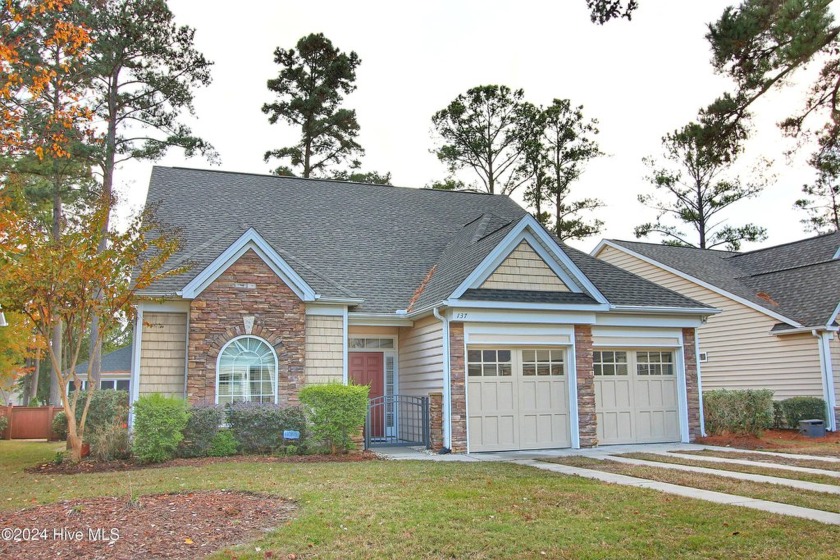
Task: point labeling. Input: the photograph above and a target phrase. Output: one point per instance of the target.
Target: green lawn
(464, 510)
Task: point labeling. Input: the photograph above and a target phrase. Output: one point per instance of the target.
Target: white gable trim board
(530, 231)
(683, 275)
(253, 241)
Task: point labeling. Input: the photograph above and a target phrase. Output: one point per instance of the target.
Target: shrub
(111, 443)
(202, 427)
(158, 425)
(223, 444)
(258, 427)
(336, 412)
(738, 412)
(59, 425)
(107, 408)
(802, 408)
(4, 423)
(779, 422)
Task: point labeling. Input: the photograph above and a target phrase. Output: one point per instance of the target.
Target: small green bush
(258, 427)
(4, 423)
(158, 425)
(802, 408)
(111, 443)
(738, 412)
(336, 413)
(223, 444)
(59, 425)
(202, 428)
(779, 422)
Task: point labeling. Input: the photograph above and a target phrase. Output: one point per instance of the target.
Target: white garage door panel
(509, 409)
(634, 407)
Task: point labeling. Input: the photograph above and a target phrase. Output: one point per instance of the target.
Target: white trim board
(253, 241)
(684, 276)
(529, 230)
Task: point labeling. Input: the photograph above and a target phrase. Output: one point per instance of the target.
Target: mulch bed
(85, 466)
(769, 440)
(185, 525)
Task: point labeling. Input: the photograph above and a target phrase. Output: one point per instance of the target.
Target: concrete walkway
(772, 453)
(749, 463)
(532, 459)
(685, 491)
(798, 484)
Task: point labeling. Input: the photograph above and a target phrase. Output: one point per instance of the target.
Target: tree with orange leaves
(71, 281)
(16, 345)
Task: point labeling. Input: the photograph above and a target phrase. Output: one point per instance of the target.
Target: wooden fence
(29, 422)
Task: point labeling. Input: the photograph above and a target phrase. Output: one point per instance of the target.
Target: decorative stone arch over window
(247, 370)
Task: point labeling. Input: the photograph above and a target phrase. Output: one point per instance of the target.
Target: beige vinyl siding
(421, 358)
(524, 269)
(835, 367)
(742, 352)
(324, 349)
(163, 354)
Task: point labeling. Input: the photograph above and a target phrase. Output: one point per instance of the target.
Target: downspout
(823, 343)
(699, 384)
(447, 382)
(135, 364)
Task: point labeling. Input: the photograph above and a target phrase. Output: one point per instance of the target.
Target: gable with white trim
(249, 241)
(524, 269)
(532, 234)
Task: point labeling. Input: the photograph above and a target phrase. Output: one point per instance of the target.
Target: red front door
(368, 368)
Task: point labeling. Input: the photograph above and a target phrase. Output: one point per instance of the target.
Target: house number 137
(461, 315)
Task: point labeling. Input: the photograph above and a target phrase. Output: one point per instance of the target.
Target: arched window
(246, 371)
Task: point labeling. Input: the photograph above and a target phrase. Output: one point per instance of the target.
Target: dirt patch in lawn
(185, 525)
(85, 467)
(779, 440)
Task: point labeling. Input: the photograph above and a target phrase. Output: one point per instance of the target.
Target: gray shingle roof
(799, 280)
(117, 361)
(528, 296)
(392, 247)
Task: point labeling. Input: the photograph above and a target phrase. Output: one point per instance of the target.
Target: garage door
(636, 396)
(517, 398)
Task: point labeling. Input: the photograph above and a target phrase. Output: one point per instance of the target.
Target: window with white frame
(655, 363)
(371, 343)
(542, 362)
(489, 363)
(609, 362)
(247, 371)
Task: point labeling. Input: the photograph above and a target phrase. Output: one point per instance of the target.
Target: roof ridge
(320, 179)
(740, 254)
(830, 261)
(722, 252)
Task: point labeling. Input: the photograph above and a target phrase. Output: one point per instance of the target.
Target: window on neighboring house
(115, 384)
(247, 371)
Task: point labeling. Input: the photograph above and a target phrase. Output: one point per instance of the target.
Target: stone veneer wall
(436, 421)
(585, 386)
(248, 288)
(457, 373)
(691, 388)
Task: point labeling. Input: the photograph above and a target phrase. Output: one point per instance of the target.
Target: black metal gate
(397, 420)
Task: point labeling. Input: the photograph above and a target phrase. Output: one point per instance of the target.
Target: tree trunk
(36, 376)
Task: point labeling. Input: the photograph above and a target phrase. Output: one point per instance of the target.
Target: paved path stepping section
(696, 493)
(792, 468)
(775, 454)
(799, 484)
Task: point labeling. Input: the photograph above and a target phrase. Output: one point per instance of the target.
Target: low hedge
(336, 413)
(159, 423)
(789, 412)
(201, 430)
(259, 427)
(738, 412)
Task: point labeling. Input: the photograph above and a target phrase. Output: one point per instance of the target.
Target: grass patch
(423, 509)
(759, 457)
(734, 467)
(758, 490)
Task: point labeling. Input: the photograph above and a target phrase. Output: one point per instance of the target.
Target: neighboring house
(778, 327)
(115, 371)
(519, 342)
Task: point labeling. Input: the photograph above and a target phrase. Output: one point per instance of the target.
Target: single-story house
(459, 301)
(115, 372)
(778, 328)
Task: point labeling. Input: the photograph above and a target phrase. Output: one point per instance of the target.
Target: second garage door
(517, 398)
(636, 396)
